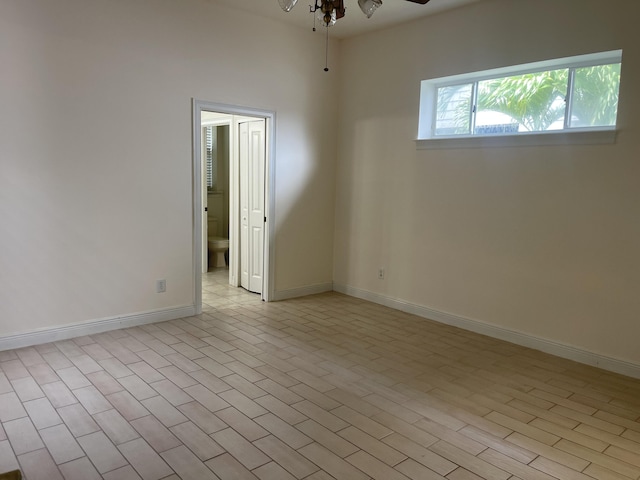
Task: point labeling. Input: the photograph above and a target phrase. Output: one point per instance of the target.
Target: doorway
(248, 134)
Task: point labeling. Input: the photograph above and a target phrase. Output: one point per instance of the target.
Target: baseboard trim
(66, 332)
(544, 345)
(303, 291)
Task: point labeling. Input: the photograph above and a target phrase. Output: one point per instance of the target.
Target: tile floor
(317, 388)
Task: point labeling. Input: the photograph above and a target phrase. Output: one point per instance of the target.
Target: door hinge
(206, 209)
(265, 219)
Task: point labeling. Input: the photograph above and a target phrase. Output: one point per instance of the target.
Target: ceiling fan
(329, 11)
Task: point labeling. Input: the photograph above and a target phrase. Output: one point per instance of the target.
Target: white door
(205, 215)
(252, 170)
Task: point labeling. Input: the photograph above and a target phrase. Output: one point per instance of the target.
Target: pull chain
(326, 51)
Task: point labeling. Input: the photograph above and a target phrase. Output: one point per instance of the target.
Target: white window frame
(590, 135)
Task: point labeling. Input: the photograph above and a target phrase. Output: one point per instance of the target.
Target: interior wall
(537, 240)
(95, 141)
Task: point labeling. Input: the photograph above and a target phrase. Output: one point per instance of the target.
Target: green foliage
(595, 95)
(535, 100)
(538, 100)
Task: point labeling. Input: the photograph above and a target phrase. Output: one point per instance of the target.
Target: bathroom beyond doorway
(250, 175)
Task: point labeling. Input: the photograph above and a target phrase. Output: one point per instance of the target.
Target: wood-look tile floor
(317, 388)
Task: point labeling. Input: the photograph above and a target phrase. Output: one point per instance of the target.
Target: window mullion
(474, 108)
(569, 98)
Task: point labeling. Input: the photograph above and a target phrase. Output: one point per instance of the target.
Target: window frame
(567, 135)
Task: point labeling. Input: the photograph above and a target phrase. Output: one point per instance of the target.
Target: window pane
(595, 96)
(454, 110)
(532, 102)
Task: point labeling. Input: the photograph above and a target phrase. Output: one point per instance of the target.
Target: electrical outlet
(381, 273)
(161, 286)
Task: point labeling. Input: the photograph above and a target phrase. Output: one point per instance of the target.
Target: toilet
(217, 246)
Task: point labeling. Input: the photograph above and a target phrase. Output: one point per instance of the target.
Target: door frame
(198, 106)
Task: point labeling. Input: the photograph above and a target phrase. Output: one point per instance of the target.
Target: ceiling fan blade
(421, 2)
(340, 10)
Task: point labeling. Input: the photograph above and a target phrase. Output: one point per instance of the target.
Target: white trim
(196, 187)
(537, 343)
(218, 122)
(303, 291)
(64, 332)
(557, 138)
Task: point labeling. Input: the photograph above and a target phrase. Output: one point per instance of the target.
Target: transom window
(570, 94)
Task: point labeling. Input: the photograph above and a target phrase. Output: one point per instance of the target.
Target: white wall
(95, 149)
(538, 240)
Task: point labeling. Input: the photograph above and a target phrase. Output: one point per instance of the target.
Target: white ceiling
(354, 22)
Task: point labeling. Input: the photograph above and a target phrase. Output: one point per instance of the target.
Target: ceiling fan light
(369, 6)
(287, 5)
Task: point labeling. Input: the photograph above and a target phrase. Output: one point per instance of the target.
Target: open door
(252, 150)
(205, 209)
